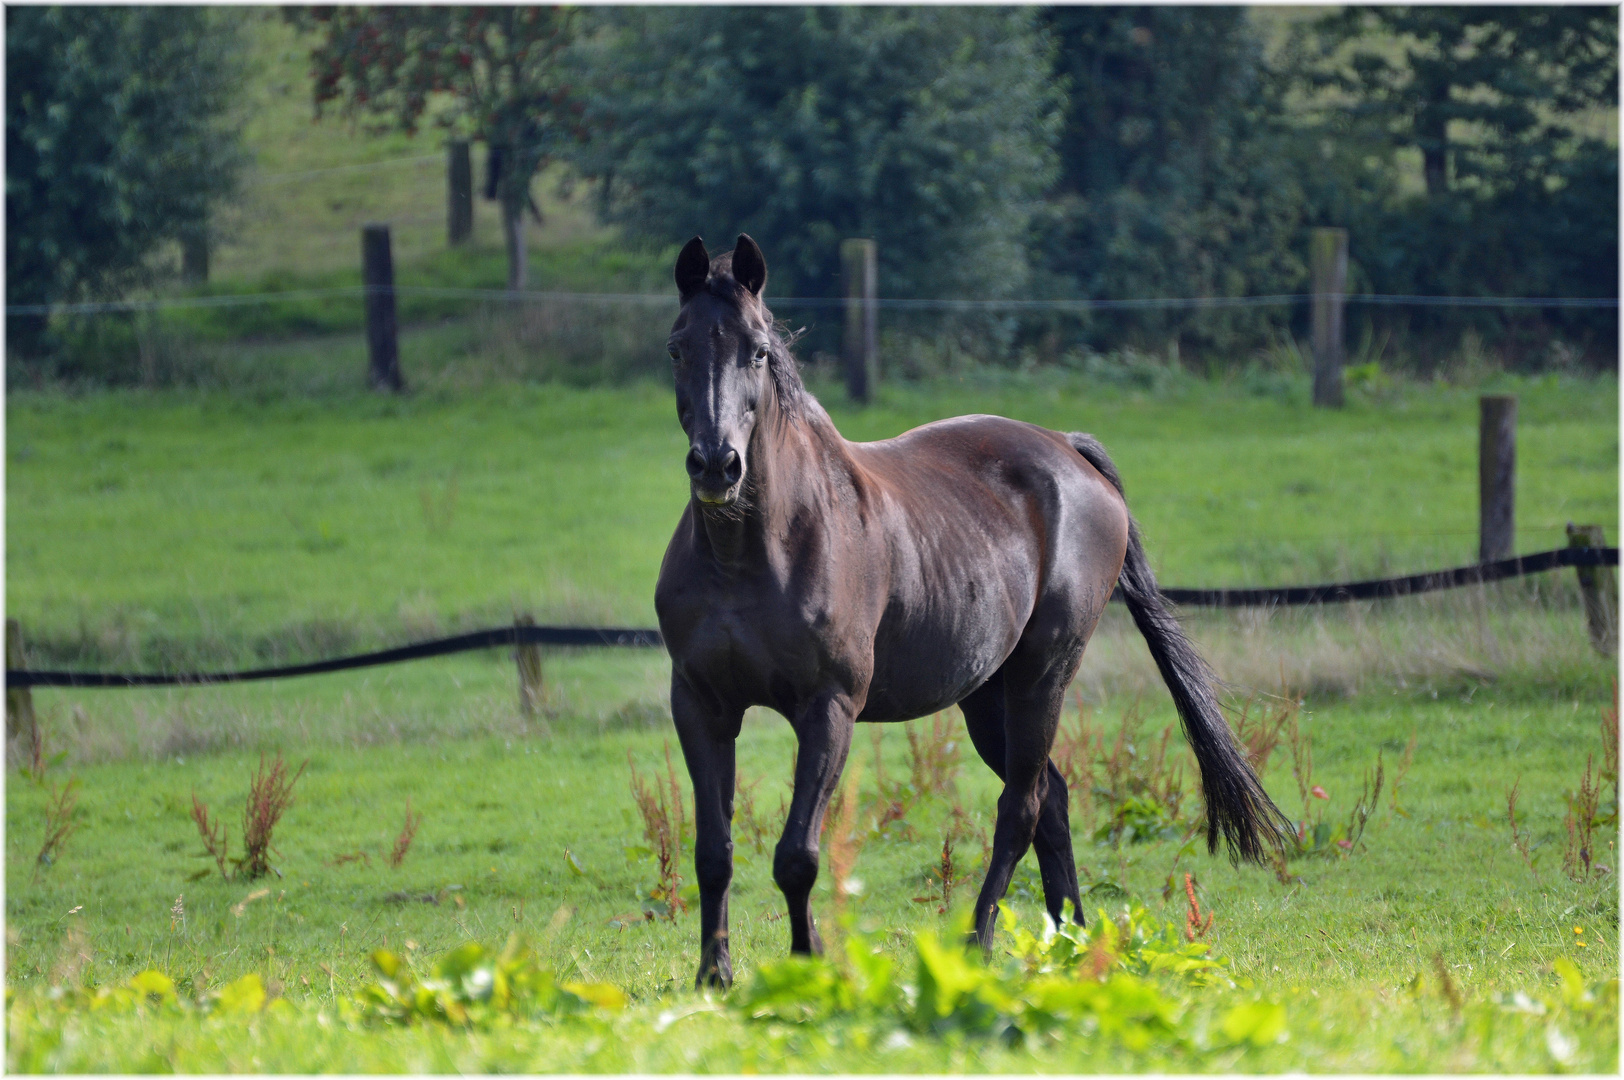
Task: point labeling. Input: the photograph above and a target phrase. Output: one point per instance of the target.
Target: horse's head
(725, 355)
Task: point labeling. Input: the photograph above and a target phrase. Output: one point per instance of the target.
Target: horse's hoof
(715, 977)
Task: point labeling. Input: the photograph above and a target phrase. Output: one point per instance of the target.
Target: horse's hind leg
(1035, 679)
(984, 718)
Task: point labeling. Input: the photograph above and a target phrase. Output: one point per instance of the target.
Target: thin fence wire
(1187, 303)
(365, 166)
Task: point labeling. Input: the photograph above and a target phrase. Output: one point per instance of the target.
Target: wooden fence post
(1598, 586)
(859, 269)
(1496, 476)
(378, 275)
(1328, 256)
(529, 660)
(459, 192)
(22, 730)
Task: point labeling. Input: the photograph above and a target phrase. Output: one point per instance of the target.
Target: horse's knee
(713, 866)
(795, 869)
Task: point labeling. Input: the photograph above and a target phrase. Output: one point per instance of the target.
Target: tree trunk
(1432, 136)
(513, 200)
(1435, 164)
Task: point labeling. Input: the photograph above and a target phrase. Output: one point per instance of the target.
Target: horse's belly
(923, 672)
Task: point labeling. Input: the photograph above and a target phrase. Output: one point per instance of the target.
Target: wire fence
(579, 637)
(507, 296)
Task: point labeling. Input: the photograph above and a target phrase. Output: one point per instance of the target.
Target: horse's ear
(749, 264)
(693, 267)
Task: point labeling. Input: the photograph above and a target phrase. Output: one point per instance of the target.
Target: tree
(927, 129)
(1172, 180)
(1517, 194)
(119, 137)
(1485, 94)
(488, 73)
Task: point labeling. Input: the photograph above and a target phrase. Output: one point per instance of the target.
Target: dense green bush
(926, 129)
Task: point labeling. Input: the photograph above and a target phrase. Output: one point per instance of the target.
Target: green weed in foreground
(1126, 994)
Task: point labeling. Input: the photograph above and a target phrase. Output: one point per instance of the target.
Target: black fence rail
(523, 636)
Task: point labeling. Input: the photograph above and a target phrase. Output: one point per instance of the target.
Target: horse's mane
(786, 373)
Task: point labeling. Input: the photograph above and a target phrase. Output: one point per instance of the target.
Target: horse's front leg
(707, 737)
(824, 732)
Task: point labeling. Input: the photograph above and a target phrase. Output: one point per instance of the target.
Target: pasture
(175, 529)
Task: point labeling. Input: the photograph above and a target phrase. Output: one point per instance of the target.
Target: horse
(964, 562)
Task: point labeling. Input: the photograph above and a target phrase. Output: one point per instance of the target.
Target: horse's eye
(675, 355)
(761, 355)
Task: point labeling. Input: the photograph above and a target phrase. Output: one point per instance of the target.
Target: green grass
(1351, 944)
(243, 528)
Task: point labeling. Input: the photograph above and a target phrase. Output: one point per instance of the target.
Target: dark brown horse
(965, 562)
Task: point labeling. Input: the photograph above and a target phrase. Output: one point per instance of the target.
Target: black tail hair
(1237, 806)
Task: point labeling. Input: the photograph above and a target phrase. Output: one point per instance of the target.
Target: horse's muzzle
(715, 475)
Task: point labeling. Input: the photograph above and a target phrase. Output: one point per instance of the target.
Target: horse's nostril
(732, 469)
(695, 462)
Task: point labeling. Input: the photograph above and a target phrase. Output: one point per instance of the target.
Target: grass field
(151, 529)
(261, 530)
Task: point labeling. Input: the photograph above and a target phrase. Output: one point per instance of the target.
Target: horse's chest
(754, 651)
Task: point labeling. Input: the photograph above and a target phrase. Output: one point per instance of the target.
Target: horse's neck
(787, 456)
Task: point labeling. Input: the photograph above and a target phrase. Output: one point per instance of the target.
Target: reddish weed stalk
(403, 842)
(846, 842)
(270, 794)
(1517, 839)
(1194, 927)
(1401, 772)
(1260, 732)
(750, 823)
(933, 757)
(61, 811)
(1583, 804)
(946, 874)
(213, 833)
(1609, 750)
(665, 824)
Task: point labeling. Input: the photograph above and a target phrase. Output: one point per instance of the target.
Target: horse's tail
(1237, 806)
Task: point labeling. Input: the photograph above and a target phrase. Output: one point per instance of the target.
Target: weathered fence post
(22, 730)
(459, 192)
(1598, 586)
(1328, 256)
(529, 659)
(859, 269)
(378, 275)
(1496, 476)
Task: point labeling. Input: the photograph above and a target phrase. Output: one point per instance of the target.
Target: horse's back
(999, 529)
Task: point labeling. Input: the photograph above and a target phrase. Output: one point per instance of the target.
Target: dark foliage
(1517, 194)
(1172, 183)
(119, 137)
